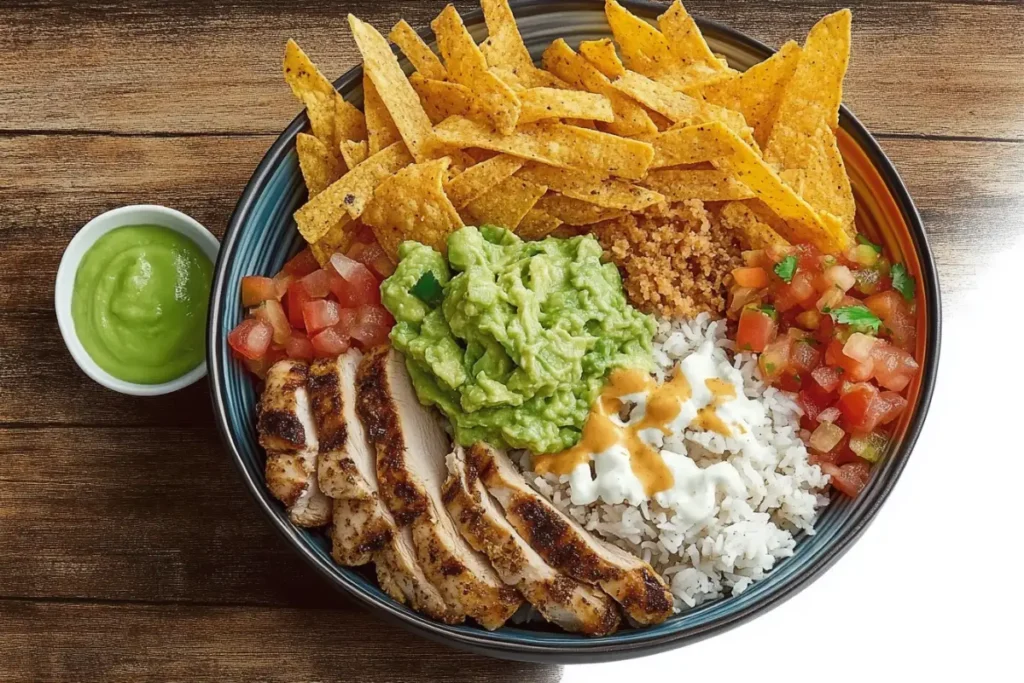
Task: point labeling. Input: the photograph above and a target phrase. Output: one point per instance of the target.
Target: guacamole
(512, 340)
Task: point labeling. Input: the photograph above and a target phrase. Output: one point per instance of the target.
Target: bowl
(139, 214)
(262, 235)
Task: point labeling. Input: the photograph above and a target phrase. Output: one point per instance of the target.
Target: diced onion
(830, 299)
(841, 277)
(825, 437)
(870, 447)
(347, 268)
(739, 298)
(858, 347)
(829, 414)
(864, 254)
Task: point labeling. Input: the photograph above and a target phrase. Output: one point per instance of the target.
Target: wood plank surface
(60, 641)
(177, 66)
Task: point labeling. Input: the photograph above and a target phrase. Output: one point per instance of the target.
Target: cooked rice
(747, 535)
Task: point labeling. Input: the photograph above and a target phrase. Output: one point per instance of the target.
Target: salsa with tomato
(839, 332)
(306, 312)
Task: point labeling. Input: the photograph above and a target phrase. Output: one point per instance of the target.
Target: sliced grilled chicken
(287, 432)
(362, 528)
(571, 604)
(568, 547)
(411, 445)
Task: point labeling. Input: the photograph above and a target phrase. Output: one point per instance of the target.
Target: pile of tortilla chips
(479, 134)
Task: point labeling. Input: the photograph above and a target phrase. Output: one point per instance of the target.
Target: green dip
(516, 345)
(140, 301)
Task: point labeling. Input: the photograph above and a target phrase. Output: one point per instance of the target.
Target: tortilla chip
(417, 51)
(319, 167)
(679, 107)
(574, 211)
(824, 183)
(505, 48)
(349, 122)
(755, 233)
(393, 87)
(442, 99)
(313, 89)
(551, 103)
(706, 185)
(354, 152)
(607, 192)
(537, 224)
(350, 193)
(803, 222)
(467, 65)
(756, 92)
(480, 178)
(380, 128)
(687, 44)
(505, 204)
(555, 144)
(602, 56)
(339, 238)
(412, 205)
(630, 119)
(644, 49)
(685, 146)
(509, 78)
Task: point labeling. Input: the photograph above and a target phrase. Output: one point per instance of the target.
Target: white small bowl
(140, 214)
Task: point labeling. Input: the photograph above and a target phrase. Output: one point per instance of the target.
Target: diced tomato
(329, 343)
(809, 320)
(301, 264)
(827, 378)
(774, 360)
(372, 327)
(256, 290)
(296, 297)
(357, 288)
(347, 318)
(808, 258)
(849, 479)
(373, 257)
(862, 407)
(251, 338)
(826, 328)
(894, 367)
(798, 292)
(271, 311)
(853, 369)
(892, 406)
(897, 317)
(259, 366)
(812, 402)
(869, 281)
(755, 277)
(299, 347)
(756, 329)
(805, 355)
(790, 381)
(282, 281)
(317, 284)
(319, 314)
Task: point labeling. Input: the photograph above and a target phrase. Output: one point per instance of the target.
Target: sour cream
(621, 457)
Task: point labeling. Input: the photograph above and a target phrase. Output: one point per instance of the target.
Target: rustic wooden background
(129, 549)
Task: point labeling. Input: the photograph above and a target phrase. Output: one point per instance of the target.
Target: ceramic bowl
(262, 236)
(139, 214)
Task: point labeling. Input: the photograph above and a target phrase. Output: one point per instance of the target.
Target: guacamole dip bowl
(83, 241)
(262, 236)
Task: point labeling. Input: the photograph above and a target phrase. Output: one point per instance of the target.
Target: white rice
(747, 535)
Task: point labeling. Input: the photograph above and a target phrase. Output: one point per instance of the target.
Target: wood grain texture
(932, 68)
(132, 643)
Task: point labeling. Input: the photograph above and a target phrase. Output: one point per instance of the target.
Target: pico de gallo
(306, 312)
(839, 332)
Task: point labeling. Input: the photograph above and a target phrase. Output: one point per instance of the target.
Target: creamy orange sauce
(707, 418)
(664, 401)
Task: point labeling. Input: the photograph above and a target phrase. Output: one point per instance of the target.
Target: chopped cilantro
(859, 318)
(768, 310)
(903, 282)
(786, 268)
(861, 239)
(428, 289)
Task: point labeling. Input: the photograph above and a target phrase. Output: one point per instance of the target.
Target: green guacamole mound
(519, 345)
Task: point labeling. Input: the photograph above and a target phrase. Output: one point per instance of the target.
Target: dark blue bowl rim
(579, 651)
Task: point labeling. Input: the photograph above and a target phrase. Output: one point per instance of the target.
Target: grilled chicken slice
(571, 604)
(362, 528)
(568, 547)
(411, 445)
(287, 432)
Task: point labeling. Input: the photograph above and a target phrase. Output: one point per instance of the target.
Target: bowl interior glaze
(262, 236)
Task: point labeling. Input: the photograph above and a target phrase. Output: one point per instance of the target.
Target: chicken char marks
(571, 604)
(362, 529)
(566, 546)
(287, 432)
(410, 446)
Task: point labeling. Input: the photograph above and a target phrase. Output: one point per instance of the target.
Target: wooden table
(129, 549)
